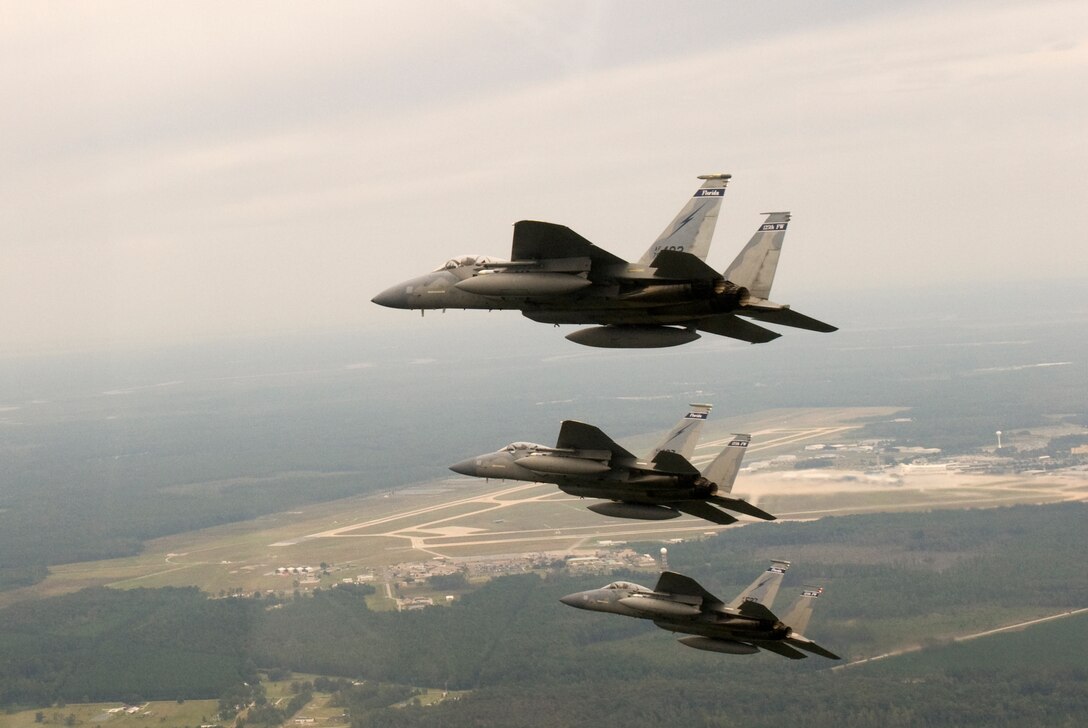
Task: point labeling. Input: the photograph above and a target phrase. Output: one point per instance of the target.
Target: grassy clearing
(156, 714)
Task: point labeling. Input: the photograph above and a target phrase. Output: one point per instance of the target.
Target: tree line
(511, 637)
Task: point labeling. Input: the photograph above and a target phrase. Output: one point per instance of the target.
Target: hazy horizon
(178, 172)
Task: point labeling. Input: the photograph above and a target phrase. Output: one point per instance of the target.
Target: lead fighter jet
(588, 463)
(744, 626)
(556, 276)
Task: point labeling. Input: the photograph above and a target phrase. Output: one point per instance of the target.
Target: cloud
(175, 171)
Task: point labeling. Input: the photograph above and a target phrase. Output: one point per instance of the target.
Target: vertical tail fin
(800, 612)
(797, 618)
(723, 470)
(683, 438)
(692, 229)
(755, 265)
(764, 589)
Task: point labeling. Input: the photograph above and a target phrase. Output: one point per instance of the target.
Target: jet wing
(781, 648)
(672, 583)
(574, 435)
(678, 265)
(536, 240)
(787, 317)
(702, 509)
(726, 324)
(809, 646)
(741, 506)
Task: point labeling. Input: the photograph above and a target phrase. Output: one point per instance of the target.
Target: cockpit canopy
(627, 586)
(521, 446)
(466, 261)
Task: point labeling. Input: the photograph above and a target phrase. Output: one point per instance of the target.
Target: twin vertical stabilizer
(723, 470)
(693, 228)
(755, 265)
(765, 588)
(683, 438)
(800, 612)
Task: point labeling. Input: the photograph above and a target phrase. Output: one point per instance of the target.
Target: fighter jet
(743, 627)
(556, 276)
(588, 463)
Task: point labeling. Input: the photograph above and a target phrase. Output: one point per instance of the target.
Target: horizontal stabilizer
(575, 435)
(702, 509)
(741, 506)
(787, 317)
(677, 265)
(808, 645)
(672, 583)
(781, 649)
(673, 463)
(536, 240)
(727, 324)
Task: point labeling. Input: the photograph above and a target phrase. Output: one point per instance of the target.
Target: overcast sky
(173, 171)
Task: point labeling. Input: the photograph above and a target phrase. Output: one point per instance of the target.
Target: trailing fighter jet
(556, 276)
(588, 463)
(743, 627)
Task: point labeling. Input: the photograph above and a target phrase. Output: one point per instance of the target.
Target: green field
(167, 714)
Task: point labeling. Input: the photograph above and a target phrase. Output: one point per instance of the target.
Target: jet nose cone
(391, 297)
(572, 600)
(465, 467)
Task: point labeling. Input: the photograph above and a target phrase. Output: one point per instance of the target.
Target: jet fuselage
(623, 296)
(744, 626)
(585, 477)
(676, 614)
(666, 298)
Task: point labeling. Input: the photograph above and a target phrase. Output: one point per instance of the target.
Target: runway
(534, 517)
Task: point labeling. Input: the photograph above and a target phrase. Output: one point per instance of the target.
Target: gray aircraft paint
(800, 613)
(746, 625)
(755, 265)
(556, 276)
(724, 468)
(586, 462)
(692, 230)
(683, 438)
(765, 588)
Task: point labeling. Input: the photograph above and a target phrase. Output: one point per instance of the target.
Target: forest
(105, 644)
(891, 581)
